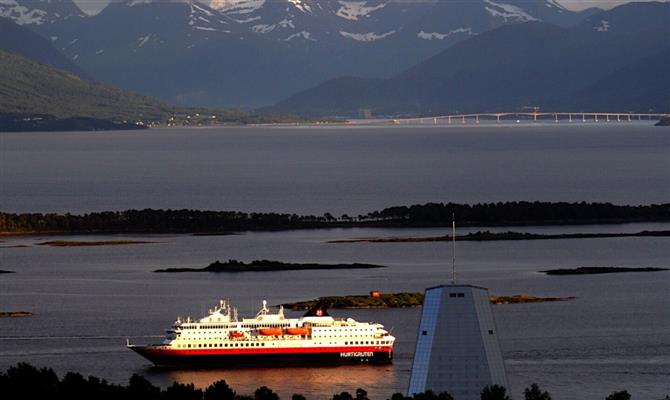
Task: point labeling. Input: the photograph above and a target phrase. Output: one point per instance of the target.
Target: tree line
(425, 215)
(25, 381)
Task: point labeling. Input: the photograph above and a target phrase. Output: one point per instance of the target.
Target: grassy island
(484, 236)
(15, 314)
(87, 243)
(599, 270)
(403, 300)
(266, 265)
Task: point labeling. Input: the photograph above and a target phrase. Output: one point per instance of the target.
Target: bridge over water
(534, 116)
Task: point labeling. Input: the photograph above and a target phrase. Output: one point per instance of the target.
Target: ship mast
(453, 252)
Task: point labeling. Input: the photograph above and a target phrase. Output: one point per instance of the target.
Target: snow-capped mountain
(254, 52)
(39, 12)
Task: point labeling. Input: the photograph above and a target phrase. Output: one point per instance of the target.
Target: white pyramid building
(457, 347)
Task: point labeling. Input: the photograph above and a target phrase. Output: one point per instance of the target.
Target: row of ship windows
(209, 345)
(368, 342)
(255, 344)
(235, 326)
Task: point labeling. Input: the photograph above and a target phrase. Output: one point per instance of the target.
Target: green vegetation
(266, 265)
(402, 300)
(427, 215)
(599, 270)
(35, 96)
(15, 314)
(485, 236)
(73, 243)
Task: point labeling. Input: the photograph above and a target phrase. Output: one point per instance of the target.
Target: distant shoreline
(486, 236)
(83, 243)
(600, 270)
(430, 215)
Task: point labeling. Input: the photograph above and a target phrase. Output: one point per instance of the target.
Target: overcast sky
(93, 6)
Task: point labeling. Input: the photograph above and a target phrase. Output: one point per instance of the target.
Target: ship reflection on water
(377, 380)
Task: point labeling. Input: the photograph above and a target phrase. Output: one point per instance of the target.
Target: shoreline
(487, 236)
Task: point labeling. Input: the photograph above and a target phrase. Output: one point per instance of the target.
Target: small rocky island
(402, 300)
(2, 271)
(599, 270)
(15, 314)
(87, 243)
(267, 265)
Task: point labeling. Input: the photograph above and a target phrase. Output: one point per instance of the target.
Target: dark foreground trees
(535, 393)
(25, 381)
(494, 392)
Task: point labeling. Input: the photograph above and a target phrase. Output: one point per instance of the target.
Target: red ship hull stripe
(259, 351)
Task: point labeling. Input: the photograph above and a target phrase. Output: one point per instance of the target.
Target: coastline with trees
(425, 215)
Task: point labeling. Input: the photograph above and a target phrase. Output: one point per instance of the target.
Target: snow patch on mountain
(353, 10)
(366, 37)
(286, 23)
(301, 35)
(237, 6)
(247, 20)
(508, 11)
(263, 28)
(442, 36)
(554, 4)
(20, 14)
(603, 27)
(134, 3)
(197, 8)
(142, 40)
(301, 5)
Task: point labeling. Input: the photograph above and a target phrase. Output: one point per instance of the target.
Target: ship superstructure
(222, 339)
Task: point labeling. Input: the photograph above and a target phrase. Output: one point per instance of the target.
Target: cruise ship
(220, 339)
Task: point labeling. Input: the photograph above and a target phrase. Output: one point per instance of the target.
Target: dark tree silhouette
(622, 395)
(398, 396)
(534, 393)
(297, 396)
(494, 392)
(219, 390)
(265, 393)
(180, 391)
(141, 389)
(361, 394)
(343, 396)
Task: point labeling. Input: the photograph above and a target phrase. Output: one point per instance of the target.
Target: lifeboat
(297, 331)
(236, 335)
(270, 331)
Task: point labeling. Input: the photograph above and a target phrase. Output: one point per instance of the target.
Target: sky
(93, 6)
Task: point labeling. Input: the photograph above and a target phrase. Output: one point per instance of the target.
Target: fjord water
(87, 300)
(332, 169)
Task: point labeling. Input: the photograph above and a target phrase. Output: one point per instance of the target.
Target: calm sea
(615, 335)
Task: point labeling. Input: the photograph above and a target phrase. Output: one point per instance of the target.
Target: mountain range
(256, 52)
(327, 57)
(615, 60)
